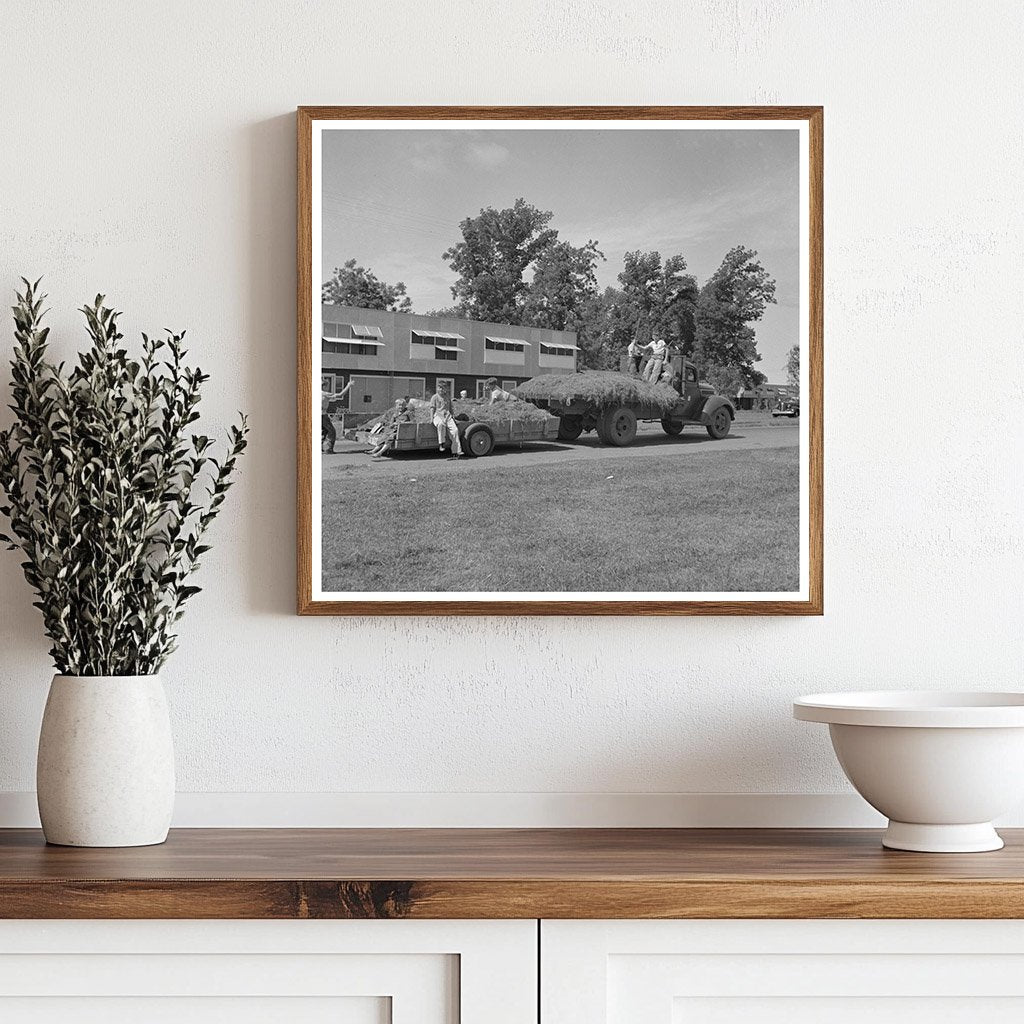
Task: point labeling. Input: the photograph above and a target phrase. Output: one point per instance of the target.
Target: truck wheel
(479, 440)
(720, 423)
(671, 427)
(569, 427)
(619, 427)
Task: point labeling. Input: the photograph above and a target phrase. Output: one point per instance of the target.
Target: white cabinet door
(782, 972)
(259, 972)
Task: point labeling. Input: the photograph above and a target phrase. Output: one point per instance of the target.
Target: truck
(616, 422)
(477, 438)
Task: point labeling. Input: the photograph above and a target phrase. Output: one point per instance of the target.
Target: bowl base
(979, 838)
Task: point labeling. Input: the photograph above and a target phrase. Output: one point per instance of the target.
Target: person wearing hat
(443, 415)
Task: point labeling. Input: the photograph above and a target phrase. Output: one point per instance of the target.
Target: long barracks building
(390, 355)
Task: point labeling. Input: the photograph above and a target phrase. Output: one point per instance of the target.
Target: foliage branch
(108, 494)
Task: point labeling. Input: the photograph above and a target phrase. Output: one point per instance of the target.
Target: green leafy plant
(108, 493)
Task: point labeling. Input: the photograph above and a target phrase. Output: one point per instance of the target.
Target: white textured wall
(147, 150)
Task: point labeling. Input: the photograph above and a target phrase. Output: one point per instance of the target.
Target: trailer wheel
(619, 427)
(720, 423)
(479, 440)
(569, 427)
(671, 427)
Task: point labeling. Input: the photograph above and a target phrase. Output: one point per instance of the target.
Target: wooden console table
(494, 926)
(506, 874)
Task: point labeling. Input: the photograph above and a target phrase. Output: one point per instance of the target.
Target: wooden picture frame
(809, 600)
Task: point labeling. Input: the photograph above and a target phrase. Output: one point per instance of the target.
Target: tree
(496, 248)
(563, 281)
(663, 295)
(793, 365)
(357, 286)
(606, 327)
(733, 298)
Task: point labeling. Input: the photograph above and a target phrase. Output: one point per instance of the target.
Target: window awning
(508, 341)
(448, 346)
(355, 341)
(560, 344)
(362, 331)
(443, 335)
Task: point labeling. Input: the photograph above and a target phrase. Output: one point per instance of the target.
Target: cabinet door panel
(188, 1010)
(300, 972)
(800, 972)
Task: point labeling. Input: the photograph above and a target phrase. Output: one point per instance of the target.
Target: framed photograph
(560, 360)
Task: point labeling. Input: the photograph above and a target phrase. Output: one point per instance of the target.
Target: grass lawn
(712, 522)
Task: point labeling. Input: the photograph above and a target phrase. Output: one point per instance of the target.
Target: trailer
(477, 438)
(615, 419)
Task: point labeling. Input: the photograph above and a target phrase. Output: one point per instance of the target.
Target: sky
(393, 199)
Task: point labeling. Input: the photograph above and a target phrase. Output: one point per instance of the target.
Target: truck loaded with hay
(611, 403)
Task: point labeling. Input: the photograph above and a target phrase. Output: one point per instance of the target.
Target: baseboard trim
(495, 810)
(504, 810)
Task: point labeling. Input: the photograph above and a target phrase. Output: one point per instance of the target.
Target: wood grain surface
(812, 406)
(508, 873)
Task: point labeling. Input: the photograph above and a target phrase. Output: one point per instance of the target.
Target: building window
(557, 350)
(506, 351)
(364, 331)
(358, 350)
(557, 355)
(352, 339)
(509, 385)
(352, 331)
(435, 345)
(350, 348)
(505, 344)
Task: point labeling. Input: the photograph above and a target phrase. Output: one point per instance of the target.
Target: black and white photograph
(560, 360)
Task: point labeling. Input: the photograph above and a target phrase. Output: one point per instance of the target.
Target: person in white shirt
(635, 352)
(444, 419)
(659, 351)
(328, 432)
(497, 394)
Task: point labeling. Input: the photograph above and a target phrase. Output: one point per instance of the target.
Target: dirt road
(651, 441)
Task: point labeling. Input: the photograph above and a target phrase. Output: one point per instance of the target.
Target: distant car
(787, 407)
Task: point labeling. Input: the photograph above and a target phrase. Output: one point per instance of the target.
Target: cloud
(429, 155)
(486, 155)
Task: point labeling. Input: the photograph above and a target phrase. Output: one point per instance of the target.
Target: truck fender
(712, 405)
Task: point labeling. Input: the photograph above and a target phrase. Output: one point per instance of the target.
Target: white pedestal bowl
(940, 766)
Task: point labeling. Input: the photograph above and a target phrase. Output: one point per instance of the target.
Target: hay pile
(603, 388)
(501, 412)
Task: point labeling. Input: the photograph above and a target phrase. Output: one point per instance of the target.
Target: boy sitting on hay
(400, 414)
(497, 394)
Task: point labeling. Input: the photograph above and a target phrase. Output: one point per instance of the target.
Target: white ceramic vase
(105, 771)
